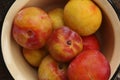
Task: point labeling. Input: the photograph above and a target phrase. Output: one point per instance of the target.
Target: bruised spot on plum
(69, 42)
(30, 33)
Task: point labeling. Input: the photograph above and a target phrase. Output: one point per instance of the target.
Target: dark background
(5, 5)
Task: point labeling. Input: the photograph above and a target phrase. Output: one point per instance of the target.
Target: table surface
(4, 6)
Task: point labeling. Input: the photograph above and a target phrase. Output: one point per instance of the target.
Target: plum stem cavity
(60, 66)
(69, 42)
(30, 33)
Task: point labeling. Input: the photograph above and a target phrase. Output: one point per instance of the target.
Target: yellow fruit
(83, 16)
(34, 56)
(57, 17)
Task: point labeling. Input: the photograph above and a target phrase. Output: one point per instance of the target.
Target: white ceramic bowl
(108, 35)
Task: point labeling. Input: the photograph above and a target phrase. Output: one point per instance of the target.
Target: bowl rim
(16, 6)
(116, 26)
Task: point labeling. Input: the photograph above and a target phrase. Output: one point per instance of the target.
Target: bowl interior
(16, 64)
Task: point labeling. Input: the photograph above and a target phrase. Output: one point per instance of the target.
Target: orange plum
(50, 69)
(64, 44)
(31, 27)
(34, 56)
